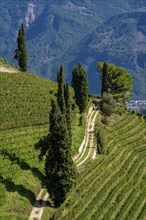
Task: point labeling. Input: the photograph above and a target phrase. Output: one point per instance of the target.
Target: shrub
(102, 141)
(108, 104)
(101, 138)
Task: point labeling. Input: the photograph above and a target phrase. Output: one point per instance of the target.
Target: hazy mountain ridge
(120, 40)
(57, 30)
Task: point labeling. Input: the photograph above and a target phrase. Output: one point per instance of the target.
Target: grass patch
(47, 213)
(78, 132)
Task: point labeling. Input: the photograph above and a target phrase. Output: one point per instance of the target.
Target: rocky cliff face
(70, 31)
(30, 15)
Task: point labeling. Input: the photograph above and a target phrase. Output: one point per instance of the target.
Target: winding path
(86, 151)
(89, 143)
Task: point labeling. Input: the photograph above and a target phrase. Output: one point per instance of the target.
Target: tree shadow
(43, 146)
(12, 187)
(23, 165)
(39, 174)
(42, 203)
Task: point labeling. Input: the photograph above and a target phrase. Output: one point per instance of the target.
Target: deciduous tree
(118, 81)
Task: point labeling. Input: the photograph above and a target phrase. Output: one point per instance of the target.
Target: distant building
(136, 105)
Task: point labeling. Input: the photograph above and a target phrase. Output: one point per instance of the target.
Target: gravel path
(90, 141)
(5, 69)
(37, 209)
(85, 142)
(39, 205)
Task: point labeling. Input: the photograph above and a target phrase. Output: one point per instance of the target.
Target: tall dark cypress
(60, 92)
(80, 85)
(21, 51)
(68, 111)
(59, 167)
(105, 80)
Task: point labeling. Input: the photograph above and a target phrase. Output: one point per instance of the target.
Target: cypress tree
(59, 168)
(80, 85)
(21, 51)
(105, 80)
(68, 111)
(60, 92)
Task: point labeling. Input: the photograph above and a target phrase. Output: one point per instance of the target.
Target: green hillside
(24, 109)
(25, 99)
(61, 31)
(113, 187)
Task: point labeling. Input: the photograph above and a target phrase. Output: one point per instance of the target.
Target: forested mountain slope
(57, 30)
(120, 40)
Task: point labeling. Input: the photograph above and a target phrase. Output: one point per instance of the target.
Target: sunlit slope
(24, 99)
(24, 110)
(113, 187)
(24, 125)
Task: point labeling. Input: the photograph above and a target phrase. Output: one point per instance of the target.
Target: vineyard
(25, 99)
(24, 109)
(113, 187)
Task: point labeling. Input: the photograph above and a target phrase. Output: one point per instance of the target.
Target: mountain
(57, 31)
(120, 40)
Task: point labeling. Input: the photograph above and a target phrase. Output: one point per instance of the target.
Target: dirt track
(37, 210)
(7, 70)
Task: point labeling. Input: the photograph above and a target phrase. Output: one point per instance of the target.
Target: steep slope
(113, 186)
(25, 99)
(120, 40)
(54, 27)
(24, 109)
(87, 151)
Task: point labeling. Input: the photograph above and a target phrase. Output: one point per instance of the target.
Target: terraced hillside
(113, 187)
(86, 153)
(24, 124)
